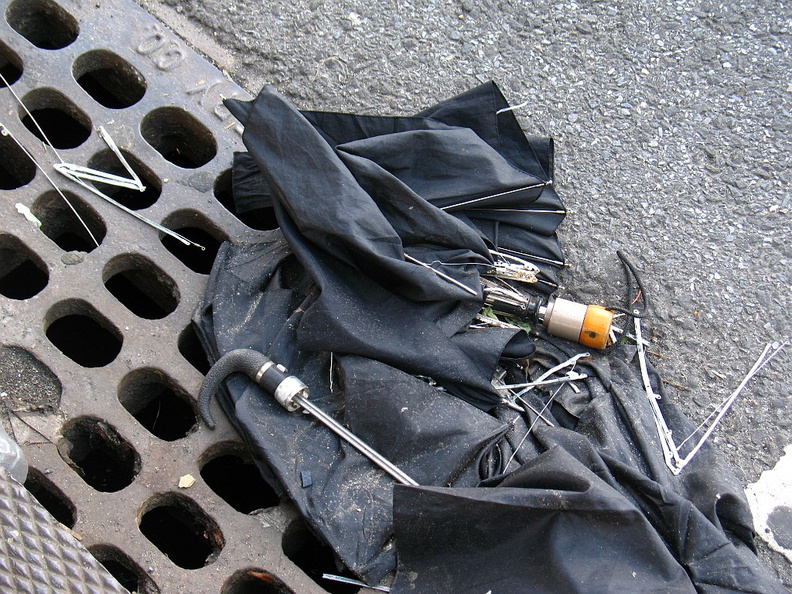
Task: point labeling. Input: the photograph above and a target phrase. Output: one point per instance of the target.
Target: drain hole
(254, 581)
(24, 281)
(231, 473)
(191, 349)
(141, 286)
(128, 573)
(43, 23)
(59, 223)
(63, 123)
(314, 558)
(106, 161)
(98, 453)
(179, 528)
(194, 258)
(19, 370)
(22, 273)
(158, 403)
(16, 168)
(194, 227)
(51, 497)
(262, 219)
(179, 137)
(10, 65)
(83, 334)
(109, 79)
(125, 576)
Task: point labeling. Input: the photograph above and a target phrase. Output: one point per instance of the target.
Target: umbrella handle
(291, 393)
(258, 367)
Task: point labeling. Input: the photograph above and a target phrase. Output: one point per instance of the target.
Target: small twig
(677, 386)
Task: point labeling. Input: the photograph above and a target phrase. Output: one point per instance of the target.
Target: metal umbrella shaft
(353, 440)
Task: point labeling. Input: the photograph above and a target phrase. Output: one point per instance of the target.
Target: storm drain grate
(99, 365)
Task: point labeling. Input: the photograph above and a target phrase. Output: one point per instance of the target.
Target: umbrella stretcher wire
(674, 459)
(517, 392)
(79, 173)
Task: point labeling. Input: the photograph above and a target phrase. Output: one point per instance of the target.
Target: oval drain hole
(141, 286)
(61, 120)
(107, 161)
(16, 168)
(98, 453)
(46, 396)
(194, 258)
(22, 273)
(197, 228)
(51, 497)
(262, 219)
(314, 558)
(10, 65)
(231, 474)
(158, 403)
(254, 581)
(179, 137)
(59, 223)
(109, 79)
(82, 334)
(178, 527)
(191, 349)
(43, 23)
(128, 573)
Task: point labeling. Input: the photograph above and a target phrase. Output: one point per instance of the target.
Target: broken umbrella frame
(672, 452)
(675, 460)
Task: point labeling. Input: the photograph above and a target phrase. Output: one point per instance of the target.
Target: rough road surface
(673, 135)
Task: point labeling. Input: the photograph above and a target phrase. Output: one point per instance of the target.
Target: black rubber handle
(245, 361)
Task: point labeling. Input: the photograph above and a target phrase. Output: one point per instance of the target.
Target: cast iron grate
(103, 303)
(61, 226)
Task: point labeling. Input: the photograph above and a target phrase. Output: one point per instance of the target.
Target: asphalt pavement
(673, 143)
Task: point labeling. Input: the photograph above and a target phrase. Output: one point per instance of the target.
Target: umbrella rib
(44, 137)
(6, 132)
(497, 195)
(532, 257)
(442, 275)
(521, 210)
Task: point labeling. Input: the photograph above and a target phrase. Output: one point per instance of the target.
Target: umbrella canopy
(466, 156)
(339, 295)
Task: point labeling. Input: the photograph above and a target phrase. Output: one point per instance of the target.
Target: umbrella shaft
(353, 440)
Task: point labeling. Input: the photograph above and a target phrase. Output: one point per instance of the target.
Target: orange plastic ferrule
(595, 332)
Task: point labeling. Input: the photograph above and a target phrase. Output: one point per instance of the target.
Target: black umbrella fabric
(387, 347)
(354, 225)
(590, 508)
(258, 297)
(501, 187)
